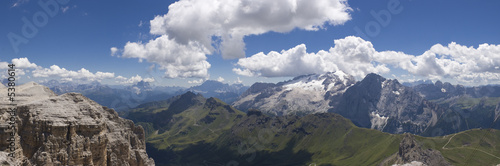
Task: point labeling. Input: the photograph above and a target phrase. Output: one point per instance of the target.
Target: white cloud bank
(133, 80)
(23, 67)
(196, 81)
(358, 57)
(194, 28)
(220, 79)
(351, 54)
(69, 75)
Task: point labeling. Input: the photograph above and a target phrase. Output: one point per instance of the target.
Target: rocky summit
(69, 129)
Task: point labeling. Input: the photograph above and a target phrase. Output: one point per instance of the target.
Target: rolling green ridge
(192, 130)
(471, 147)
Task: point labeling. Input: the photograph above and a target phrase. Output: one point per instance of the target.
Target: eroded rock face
(71, 129)
(410, 150)
(386, 105)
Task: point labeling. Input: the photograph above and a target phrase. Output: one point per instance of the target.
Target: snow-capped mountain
(301, 95)
(374, 102)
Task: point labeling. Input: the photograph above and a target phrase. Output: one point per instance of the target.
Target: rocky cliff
(410, 151)
(70, 129)
(384, 104)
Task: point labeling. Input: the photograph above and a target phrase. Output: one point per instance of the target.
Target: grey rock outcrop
(71, 129)
(410, 150)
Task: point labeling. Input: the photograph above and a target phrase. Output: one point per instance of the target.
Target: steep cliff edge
(70, 129)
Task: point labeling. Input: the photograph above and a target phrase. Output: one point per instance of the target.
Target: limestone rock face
(71, 129)
(386, 105)
(410, 150)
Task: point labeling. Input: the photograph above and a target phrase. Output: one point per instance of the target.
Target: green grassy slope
(471, 147)
(192, 130)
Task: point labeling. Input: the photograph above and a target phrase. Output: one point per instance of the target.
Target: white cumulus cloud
(238, 81)
(196, 81)
(80, 75)
(232, 20)
(23, 63)
(355, 56)
(4, 65)
(114, 51)
(351, 54)
(194, 28)
(133, 80)
(220, 79)
(178, 61)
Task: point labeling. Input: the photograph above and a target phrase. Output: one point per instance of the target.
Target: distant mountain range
(379, 103)
(123, 98)
(415, 83)
(192, 130)
(468, 107)
(225, 92)
(116, 98)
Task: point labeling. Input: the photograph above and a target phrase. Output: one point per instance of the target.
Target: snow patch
(413, 163)
(330, 86)
(396, 92)
(311, 85)
(341, 76)
(137, 90)
(220, 91)
(443, 90)
(378, 122)
(384, 83)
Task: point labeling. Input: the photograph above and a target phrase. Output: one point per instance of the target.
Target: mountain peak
(374, 77)
(410, 150)
(188, 94)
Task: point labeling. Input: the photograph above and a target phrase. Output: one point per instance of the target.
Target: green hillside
(471, 147)
(192, 130)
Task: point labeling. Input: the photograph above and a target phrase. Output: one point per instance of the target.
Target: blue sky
(413, 44)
